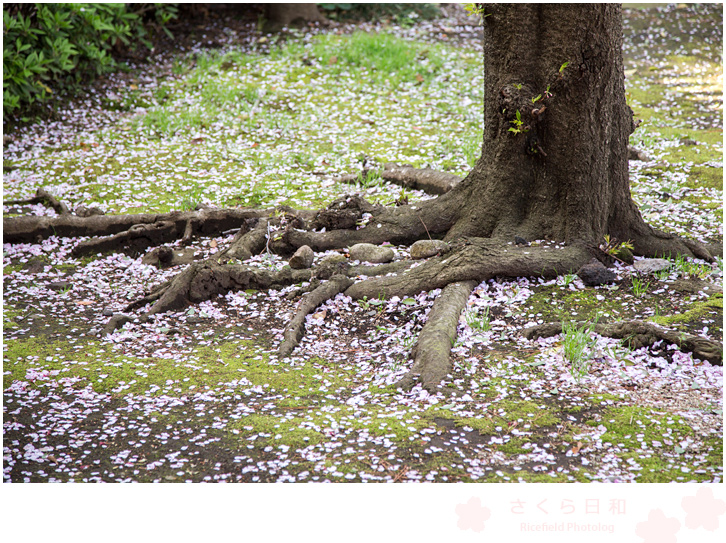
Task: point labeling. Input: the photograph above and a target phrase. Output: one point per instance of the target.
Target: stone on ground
(302, 259)
(367, 252)
(651, 265)
(594, 273)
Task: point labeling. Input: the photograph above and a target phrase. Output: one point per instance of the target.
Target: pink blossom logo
(658, 528)
(472, 515)
(703, 510)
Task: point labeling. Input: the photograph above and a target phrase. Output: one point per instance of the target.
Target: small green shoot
(476, 9)
(564, 65)
(517, 122)
(688, 268)
(370, 178)
(640, 286)
(613, 247)
(578, 345)
(478, 320)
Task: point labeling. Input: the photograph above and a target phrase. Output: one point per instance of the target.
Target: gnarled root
(44, 197)
(641, 334)
(246, 243)
(296, 327)
(203, 280)
(655, 243)
(31, 229)
(432, 351)
(134, 240)
(477, 259)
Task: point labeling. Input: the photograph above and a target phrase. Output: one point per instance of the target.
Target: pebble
(367, 252)
(302, 259)
(651, 265)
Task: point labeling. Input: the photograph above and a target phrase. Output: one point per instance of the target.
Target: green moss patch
(713, 307)
(658, 447)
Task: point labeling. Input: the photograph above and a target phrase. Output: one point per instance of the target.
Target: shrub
(402, 14)
(52, 47)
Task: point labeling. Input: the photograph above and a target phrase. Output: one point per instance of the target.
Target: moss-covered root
(432, 351)
(641, 334)
(296, 327)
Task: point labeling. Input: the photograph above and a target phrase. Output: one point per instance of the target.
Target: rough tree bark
(555, 162)
(554, 167)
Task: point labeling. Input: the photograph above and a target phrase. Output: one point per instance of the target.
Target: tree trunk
(554, 161)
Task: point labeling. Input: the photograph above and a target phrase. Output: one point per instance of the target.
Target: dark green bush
(403, 14)
(52, 47)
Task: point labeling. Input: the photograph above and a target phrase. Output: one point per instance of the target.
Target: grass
(640, 286)
(384, 58)
(254, 129)
(478, 320)
(688, 268)
(577, 347)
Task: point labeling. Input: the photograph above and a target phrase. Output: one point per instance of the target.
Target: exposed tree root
(116, 322)
(641, 334)
(296, 327)
(133, 241)
(428, 180)
(379, 269)
(654, 243)
(432, 351)
(204, 280)
(44, 197)
(246, 243)
(476, 259)
(400, 226)
(31, 229)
